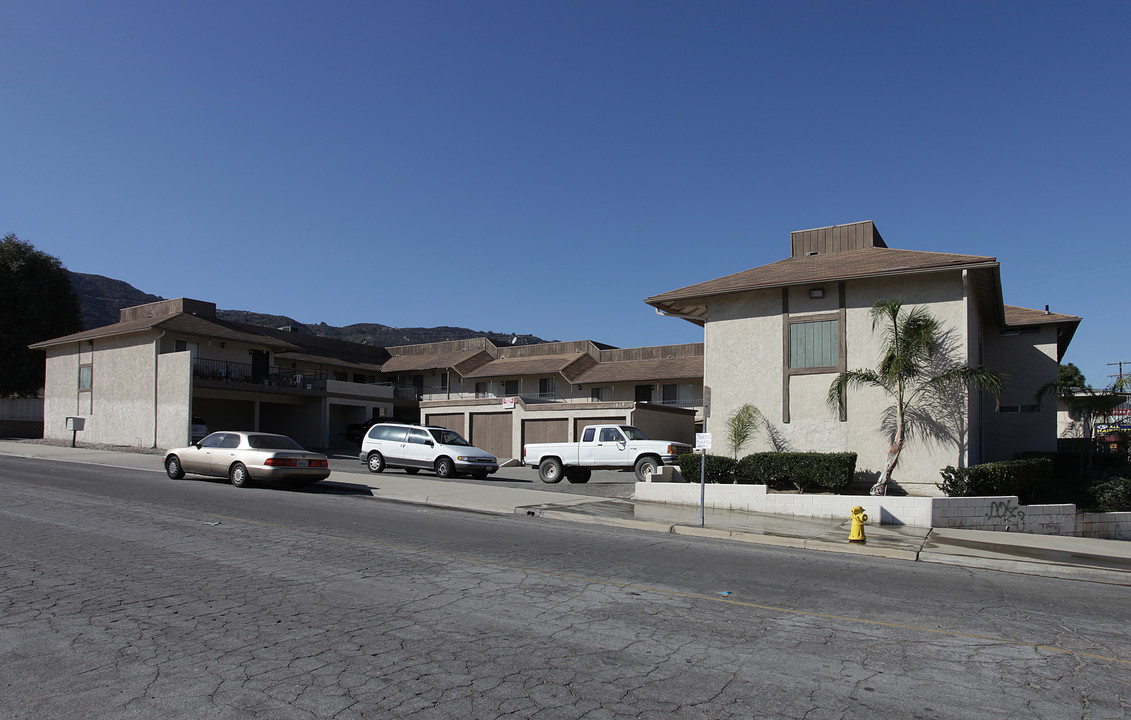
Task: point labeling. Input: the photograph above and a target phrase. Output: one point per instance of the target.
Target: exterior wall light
(817, 293)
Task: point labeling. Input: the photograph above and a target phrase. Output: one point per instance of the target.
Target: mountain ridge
(100, 299)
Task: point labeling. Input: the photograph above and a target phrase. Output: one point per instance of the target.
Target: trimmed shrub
(1113, 495)
(720, 469)
(1030, 480)
(820, 472)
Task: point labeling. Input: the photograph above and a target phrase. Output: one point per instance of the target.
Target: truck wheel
(550, 471)
(579, 476)
(646, 467)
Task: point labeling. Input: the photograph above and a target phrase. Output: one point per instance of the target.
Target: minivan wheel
(445, 468)
(238, 475)
(375, 462)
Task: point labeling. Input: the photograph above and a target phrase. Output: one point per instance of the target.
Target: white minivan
(424, 447)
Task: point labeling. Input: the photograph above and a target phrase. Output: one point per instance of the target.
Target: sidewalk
(1107, 561)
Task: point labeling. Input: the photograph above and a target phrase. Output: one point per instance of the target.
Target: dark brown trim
(785, 355)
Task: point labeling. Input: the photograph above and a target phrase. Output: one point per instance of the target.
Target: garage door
(539, 431)
(492, 432)
(451, 421)
(579, 423)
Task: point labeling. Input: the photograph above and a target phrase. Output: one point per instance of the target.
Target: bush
(720, 469)
(1113, 495)
(823, 472)
(1030, 480)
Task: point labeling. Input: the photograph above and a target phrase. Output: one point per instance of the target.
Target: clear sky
(543, 166)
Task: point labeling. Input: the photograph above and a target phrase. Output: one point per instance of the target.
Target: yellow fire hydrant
(858, 520)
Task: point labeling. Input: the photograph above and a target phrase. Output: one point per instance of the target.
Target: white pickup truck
(602, 447)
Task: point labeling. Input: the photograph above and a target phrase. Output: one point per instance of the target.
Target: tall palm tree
(908, 371)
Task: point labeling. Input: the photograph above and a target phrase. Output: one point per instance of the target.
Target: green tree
(1069, 376)
(37, 303)
(741, 426)
(910, 371)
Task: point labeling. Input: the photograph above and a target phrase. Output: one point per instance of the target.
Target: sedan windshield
(449, 437)
(633, 433)
(272, 442)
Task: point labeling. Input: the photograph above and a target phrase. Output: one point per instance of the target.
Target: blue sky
(542, 167)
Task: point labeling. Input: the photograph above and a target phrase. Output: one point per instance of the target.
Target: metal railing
(227, 371)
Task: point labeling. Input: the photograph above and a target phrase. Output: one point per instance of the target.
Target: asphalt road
(129, 595)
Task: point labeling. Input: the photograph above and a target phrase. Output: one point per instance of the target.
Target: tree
(37, 303)
(1069, 376)
(741, 426)
(909, 371)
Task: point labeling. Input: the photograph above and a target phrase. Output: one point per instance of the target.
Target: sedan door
(222, 456)
(197, 458)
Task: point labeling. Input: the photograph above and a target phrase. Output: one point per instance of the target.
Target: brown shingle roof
(1025, 316)
(866, 262)
(182, 323)
(537, 365)
(438, 361)
(676, 368)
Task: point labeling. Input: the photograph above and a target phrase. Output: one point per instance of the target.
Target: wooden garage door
(451, 421)
(539, 431)
(492, 432)
(580, 423)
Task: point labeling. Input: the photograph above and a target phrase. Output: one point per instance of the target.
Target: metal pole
(703, 480)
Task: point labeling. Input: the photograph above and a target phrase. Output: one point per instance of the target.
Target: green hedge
(1030, 480)
(823, 472)
(720, 468)
(820, 472)
(1113, 495)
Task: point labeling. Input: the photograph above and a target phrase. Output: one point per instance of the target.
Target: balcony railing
(238, 372)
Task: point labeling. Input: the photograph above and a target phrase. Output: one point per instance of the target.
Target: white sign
(508, 403)
(702, 441)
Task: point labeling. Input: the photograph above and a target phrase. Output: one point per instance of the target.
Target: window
(481, 390)
(587, 435)
(231, 440)
(681, 395)
(598, 394)
(86, 377)
(813, 344)
(644, 393)
(443, 382)
(419, 437)
(611, 435)
(546, 387)
(510, 387)
(1010, 409)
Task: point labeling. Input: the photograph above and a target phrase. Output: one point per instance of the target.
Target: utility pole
(1119, 377)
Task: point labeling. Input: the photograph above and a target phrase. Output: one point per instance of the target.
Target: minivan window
(395, 434)
(449, 437)
(419, 437)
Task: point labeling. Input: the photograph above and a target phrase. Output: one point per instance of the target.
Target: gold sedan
(246, 457)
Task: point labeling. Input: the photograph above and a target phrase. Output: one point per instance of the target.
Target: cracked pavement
(129, 596)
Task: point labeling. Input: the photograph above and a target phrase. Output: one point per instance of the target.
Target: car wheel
(579, 476)
(173, 467)
(375, 462)
(412, 471)
(550, 471)
(238, 475)
(445, 468)
(646, 467)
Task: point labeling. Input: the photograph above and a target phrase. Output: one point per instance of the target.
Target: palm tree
(908, 371)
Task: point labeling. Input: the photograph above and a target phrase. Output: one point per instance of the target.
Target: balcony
(237, 373)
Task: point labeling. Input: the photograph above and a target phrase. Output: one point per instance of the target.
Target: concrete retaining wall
(978, 513)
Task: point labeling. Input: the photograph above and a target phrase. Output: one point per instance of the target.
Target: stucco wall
(744, 361)
(120, 406)
(1029, 361)
(174, 393)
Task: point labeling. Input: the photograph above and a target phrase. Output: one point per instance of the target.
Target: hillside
(101, 298)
